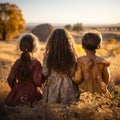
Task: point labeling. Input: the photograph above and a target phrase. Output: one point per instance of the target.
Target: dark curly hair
(60, 52)
(27, 45)
(91, 40)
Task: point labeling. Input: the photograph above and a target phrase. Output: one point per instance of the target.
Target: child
(92, 74)
(25, 75)
(58, 68)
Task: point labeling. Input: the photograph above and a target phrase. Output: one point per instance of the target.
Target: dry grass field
(88, 107)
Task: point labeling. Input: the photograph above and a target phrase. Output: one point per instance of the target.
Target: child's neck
(91, 54)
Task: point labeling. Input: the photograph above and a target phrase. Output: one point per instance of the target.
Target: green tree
(78, 27)
(11, 20)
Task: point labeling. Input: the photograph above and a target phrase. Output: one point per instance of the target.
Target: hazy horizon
(63, 24)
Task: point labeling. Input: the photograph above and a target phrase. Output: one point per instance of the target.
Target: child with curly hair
(58, 67)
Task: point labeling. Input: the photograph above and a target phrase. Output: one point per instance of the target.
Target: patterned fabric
(86, 76)
(24, 92)
(59, 88)
(103, 86)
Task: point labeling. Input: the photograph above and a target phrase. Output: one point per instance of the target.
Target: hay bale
(42, 31)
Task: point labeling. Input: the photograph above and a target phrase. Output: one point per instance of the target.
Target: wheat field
(88, 107)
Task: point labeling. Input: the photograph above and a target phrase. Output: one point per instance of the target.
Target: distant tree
(68, 27)
(78, 27)
(11, 20)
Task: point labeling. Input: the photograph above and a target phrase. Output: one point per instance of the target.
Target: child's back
(92, 74)
(59, 89)
(86, 76)
(25, 75)
(58, 67)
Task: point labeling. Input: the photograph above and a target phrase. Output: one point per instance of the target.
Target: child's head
(60, 51)
(28, 43)
(91, 40)
(59, 39)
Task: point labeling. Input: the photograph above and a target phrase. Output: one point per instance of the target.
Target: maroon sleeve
(37, 73)
(12, 75)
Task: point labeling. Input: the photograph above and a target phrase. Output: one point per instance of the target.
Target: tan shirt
(85, 75)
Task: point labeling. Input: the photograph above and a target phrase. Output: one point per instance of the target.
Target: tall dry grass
(88, 107)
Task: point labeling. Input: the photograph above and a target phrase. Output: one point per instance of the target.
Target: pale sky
(69, 11)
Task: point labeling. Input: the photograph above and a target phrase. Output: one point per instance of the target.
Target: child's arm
(45, 70)
(37, 74)
(77, 78)
(106, 74)
(12, 75)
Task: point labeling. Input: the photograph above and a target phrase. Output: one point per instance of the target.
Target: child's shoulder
(83, 60)
(102, 60)
(87, 61)
(17, 62)
(35, 62)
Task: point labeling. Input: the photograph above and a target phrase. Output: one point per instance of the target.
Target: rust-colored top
(86, 77)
